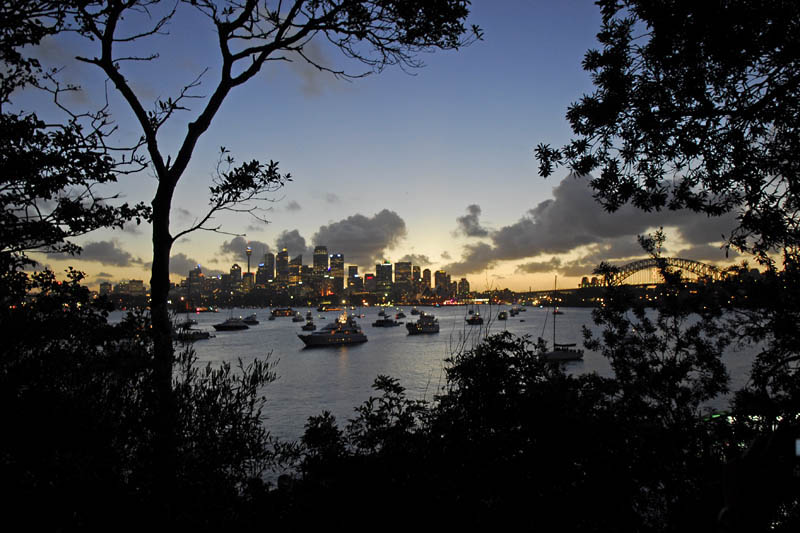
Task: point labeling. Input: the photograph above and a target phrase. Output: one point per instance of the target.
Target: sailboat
(561, 352)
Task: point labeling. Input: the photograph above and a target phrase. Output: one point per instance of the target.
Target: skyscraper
(295, 270)
(337, 272)
(440, 280)
(269, 266)
(402, 272)
(282, 267)
(383, 276)
(426, 278)
(320, 261)
(236, 273)
(463, 288)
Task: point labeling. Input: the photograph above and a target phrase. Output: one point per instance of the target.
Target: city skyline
(436, 167)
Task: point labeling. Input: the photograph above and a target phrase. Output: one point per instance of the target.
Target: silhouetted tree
(696, 106)
(374, 33)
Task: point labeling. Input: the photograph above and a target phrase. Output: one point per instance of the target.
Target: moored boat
(386, 322)
(345, 330)
(231, 324)
(426, 324)
(475, 320)
(283, 311)
(250, 320)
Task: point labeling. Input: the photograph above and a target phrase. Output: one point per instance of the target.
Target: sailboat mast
(555, 288)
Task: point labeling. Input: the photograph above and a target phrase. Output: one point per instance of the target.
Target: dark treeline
(117, 427)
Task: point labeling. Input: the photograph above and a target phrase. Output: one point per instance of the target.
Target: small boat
(283, 311)
(385, 322)
(475, 320)
(345, 330)
(231, 324)
(381, 313)
(502, 315)
(426, 324)
(271, 317)
(414, 311)
(561, 352)
(298, 318)
(309, 316)
(250, 320)
(191, 335)
(400, 314)
(308, 326)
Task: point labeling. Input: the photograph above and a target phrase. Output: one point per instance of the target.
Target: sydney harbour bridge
(646, 271)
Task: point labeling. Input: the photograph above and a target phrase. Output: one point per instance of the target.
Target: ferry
(345, 330)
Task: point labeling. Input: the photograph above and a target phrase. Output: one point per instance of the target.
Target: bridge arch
(696, 267)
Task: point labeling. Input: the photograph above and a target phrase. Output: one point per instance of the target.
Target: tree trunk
(164, 416)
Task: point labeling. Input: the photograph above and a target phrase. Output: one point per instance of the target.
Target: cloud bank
(363, 240)
(572, 221)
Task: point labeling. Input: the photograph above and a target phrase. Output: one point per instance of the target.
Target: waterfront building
(383, 276)
(320, 261)
(370, 282)
(337, 272)
(195, 281)
(463, 288)
(269, 266)
(236, 274)
(262, 277)
(426, 278)
(355, 283)
(282, 267)
(440, 280)
(247, 281)
(402, 272)
(295, 268)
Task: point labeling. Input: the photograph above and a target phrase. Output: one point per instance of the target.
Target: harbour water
(337, 379)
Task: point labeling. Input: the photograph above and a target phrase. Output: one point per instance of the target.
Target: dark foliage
(77, 405)
(696, 106)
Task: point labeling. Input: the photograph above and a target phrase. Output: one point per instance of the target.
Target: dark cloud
(446, 256)
(104, 275)
(476, 258)
(573, 219)
(362, 240)
(415, 260)
(235, 248)
(700, 229)
(181, 264)
(469, 224)
(293, 206)
(537, 267)
(294, 243)
(331, 198)
(105, 253)
(707, 253)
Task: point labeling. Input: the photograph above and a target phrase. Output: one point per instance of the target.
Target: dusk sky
(435, 167)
